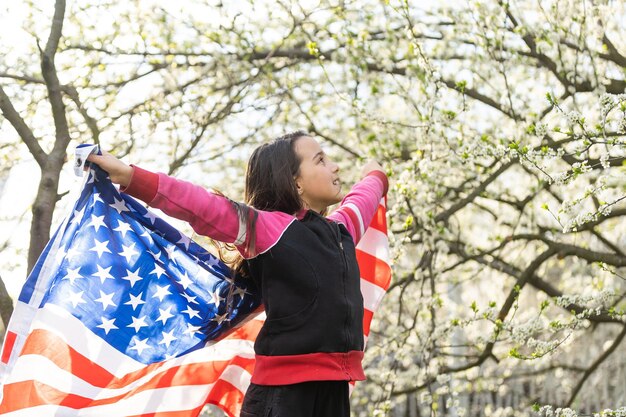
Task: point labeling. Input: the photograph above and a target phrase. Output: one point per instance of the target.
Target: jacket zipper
(345, 285)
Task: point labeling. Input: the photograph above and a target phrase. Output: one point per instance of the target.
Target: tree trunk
(6, 304)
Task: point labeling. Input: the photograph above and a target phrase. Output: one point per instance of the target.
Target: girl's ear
(298, 186)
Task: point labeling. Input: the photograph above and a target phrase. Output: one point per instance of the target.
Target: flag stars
(119, 205)
(165, 315)
(138, 323)
(100, 247)
(240, 292)
(184, 240)
(185, 280)
(220, 318)
(168, 337)
(215, 298)
(140, 345)
(123, 227)
(151, 216)
(107, 325)
(129, 252)
(135, 300)
(161, 292)
(73, 274)
(132, 277)
(191, 312)
(189, 298)
(76, 298)
(191, 330)
(103, 273)
(106, 300)
(78, 216)
(96, 198)
(97, 222)
(158, 270)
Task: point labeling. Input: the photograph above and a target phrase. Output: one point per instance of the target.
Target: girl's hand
(369, 167)
(119, 171)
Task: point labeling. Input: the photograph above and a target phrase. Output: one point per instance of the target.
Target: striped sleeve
(358, 207)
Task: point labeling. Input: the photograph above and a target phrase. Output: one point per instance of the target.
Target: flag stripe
(374, 243)
(9, 341)
(373, 269)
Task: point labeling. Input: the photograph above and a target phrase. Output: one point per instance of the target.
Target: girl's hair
(270, 178)
(270, 186)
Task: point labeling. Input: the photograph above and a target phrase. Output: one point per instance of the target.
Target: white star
(97, 222)
(76, 298)
(151, 216)
(156, 255)
(215, 298)
(71, 252)
(135, 300)
(185, 280)
(129, 252)
(119, 205)
(103, 273)
(123, 227)
(132, 277)
(78, 216)
(73, 274)
(161, 292)
(168, 338)
(184, 240)
(213, 261)
(190, 299)
(171, 249)
(107, 325)
(240, 292)
(96, 198)
(220, 318)
(140, 345)
(191, 312)
(192, 329)
(106, 300)
(148, 236)
(138, 323)
(100, 247)
(165, 315)
(158, 271)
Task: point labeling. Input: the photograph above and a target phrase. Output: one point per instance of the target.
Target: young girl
(304, 264)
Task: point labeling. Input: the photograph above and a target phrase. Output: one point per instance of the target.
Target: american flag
(125, 316)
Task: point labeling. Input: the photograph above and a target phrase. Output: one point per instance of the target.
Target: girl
(304, 264)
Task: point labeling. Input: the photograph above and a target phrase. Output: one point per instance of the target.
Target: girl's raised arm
(209, 214)
(358, 207)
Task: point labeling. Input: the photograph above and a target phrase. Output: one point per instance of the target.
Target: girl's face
(318, 181)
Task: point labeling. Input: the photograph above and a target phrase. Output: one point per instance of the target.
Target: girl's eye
(322, 161)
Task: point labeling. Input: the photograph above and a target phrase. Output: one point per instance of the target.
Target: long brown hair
(270, 186)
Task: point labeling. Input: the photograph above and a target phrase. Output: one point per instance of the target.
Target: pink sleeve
(359, 206)
(209, 214)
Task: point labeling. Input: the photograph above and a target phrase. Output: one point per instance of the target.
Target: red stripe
(9, 341)
(373, 269)
(367, 321)
(379, 222)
